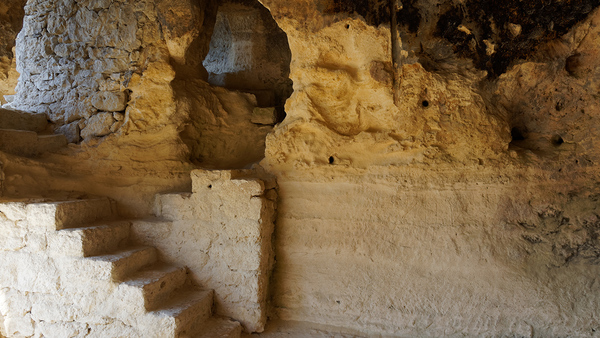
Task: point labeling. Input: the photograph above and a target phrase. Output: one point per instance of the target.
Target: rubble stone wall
(82, 63)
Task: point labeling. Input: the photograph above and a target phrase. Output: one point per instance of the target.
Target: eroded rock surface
(467, 207)
(11, 21)
(342, 105)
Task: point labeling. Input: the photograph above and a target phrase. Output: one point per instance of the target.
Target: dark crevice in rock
(493, 34)
(375, 12)
(514, 27)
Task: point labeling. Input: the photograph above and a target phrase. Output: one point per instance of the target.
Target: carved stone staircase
(23, 134)
(98, 276)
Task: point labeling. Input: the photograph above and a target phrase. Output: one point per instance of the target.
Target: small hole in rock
(517, 134)
(210, 186)
(331, 159)
(557, 140)
(425, 103)
(347, 26)
(337, 301)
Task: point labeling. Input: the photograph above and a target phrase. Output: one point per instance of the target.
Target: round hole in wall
(557, 140)
(517, 134)
(425, 103)
(210, 186)
(331, 159)
(347, 26)
(559, 106)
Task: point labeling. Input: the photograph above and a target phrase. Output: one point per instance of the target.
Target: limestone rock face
(222, 232)
(221, 134)
(466, 207)
(552, 99)
(426, 251)
(449, 188)
(11, 21)
(342, 105)
(249, 52)
(81, 62)
(14, 119)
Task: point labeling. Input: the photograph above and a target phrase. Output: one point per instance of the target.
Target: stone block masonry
(222, 232)
(62, 280)
(80, 62)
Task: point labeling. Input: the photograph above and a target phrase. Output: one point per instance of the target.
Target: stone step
(68, 214)
(89, 241)
(20, 120)
(183, 314)
(152, 286)
(117, 265)
(28, 143)
(220, 328)
(51, 143)
(18, 142)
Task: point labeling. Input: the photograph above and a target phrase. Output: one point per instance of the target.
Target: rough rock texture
(77, 59)
(11, 21)
(221, 134)
(222, 233)
(249, 52)
(552, 100)
(342, 106)
(18, 120)
(448, 189)
(81, 62)
(467, 208)
(139, 128)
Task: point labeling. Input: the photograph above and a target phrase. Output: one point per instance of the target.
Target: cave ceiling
(491, 33)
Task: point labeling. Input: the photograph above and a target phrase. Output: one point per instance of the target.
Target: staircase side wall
(222, 233)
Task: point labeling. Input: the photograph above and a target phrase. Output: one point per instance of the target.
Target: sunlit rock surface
(450, 189)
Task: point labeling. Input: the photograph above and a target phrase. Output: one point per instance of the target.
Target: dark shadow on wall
(232, 83)
(11, 22)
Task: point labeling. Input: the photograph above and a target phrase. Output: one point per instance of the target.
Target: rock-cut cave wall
(107, 70)
(88, 66)
(250, 53)
(11, 21)
(124, 81)
(468, 206)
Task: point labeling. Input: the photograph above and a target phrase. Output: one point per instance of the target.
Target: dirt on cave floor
(283, 328)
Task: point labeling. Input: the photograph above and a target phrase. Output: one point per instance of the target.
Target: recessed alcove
(250, 53)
